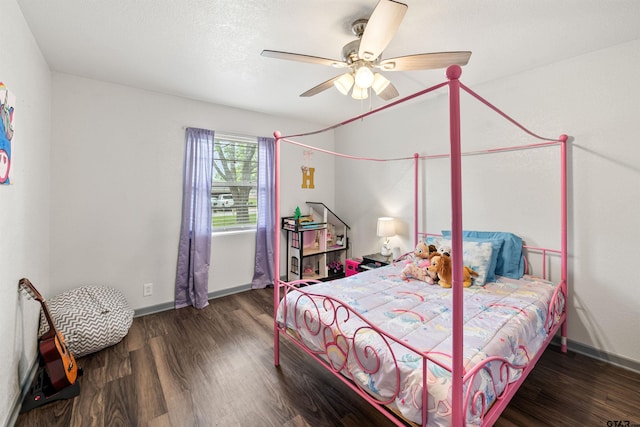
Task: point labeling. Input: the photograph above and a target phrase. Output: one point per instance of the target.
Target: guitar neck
(28, 287)
(47, 315)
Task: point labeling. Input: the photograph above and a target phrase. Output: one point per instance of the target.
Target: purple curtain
(263, 272)
(194, 250)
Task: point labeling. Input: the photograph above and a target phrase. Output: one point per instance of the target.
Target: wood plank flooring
(214, 367)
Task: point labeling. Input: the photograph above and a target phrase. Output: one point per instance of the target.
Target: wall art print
(7, 103)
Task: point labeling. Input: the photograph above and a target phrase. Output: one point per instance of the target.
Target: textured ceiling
(209, 50)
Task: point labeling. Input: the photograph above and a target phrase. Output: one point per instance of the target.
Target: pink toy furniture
(352, 267)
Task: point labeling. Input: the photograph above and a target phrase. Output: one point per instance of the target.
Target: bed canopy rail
(459, 375)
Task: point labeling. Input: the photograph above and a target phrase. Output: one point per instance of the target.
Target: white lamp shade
(380, 83)
(386, 227)
(359, 92)
(364, 77)
(344, 83)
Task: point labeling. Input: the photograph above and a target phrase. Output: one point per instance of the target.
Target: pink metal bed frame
(341, 311)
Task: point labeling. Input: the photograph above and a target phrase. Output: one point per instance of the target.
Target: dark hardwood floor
(214, 367)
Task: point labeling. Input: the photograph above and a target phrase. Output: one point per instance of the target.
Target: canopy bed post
(563, 159)
(416, 158)
(453, 74)
(276, 246)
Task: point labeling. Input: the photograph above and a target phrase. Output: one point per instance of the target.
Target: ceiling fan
(362, 56)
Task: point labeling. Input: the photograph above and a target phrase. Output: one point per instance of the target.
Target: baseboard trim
(171, 305)
(24, 389)
(604, 356)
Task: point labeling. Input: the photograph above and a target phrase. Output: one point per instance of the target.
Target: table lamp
(386, 229)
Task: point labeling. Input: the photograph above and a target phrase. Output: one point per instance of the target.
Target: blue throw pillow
(510, 262)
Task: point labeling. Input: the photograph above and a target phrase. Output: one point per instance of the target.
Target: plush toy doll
(432, 250)
(418, 268)
(444, 250)
(441, 266)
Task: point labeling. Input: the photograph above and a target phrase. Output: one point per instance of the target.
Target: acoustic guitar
(59, 362)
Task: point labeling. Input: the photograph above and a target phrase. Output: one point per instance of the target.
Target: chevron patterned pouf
(90, 318)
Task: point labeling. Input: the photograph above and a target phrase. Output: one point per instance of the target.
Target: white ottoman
(90, 318)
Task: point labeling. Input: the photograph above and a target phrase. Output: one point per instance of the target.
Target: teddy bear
(418, 268)
(441, 267)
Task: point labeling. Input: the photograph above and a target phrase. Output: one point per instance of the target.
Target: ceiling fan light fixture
(364, 77)
(344, 83)
(380, 83)
(359, 92)
(363, 56)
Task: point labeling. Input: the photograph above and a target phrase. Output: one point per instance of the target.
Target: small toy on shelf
(308, 270)
(335, 267)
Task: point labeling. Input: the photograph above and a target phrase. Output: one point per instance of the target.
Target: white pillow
(476, 255)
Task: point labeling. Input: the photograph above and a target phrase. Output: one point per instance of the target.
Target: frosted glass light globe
(364, 77)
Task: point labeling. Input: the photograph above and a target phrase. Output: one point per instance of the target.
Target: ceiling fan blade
(303, 58)
(321, 87)
(425, 61)
(381, 28)
(389, 92)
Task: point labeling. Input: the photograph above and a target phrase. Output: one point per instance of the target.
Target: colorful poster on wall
(7, 102)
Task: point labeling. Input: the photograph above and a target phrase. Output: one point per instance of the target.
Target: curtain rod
(228, 134)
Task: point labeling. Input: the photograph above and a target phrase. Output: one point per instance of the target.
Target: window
(234, 182)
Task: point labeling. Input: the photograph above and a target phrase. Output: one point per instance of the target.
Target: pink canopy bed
(422, 354)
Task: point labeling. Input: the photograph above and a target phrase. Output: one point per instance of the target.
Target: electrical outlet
(147, 289)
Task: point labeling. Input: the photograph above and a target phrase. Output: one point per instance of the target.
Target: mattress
(506, 318)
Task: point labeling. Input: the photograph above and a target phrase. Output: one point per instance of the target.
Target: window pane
(235, 176)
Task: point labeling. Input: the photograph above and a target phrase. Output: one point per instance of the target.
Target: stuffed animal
(424, 251)
(432, 250)
(418, 268)
(441, 266)
(444, 250)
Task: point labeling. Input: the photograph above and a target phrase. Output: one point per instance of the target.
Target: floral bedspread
(504, 318)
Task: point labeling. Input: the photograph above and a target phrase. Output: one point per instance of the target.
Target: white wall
(116, 187)
(594, 99)
(24, 205)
